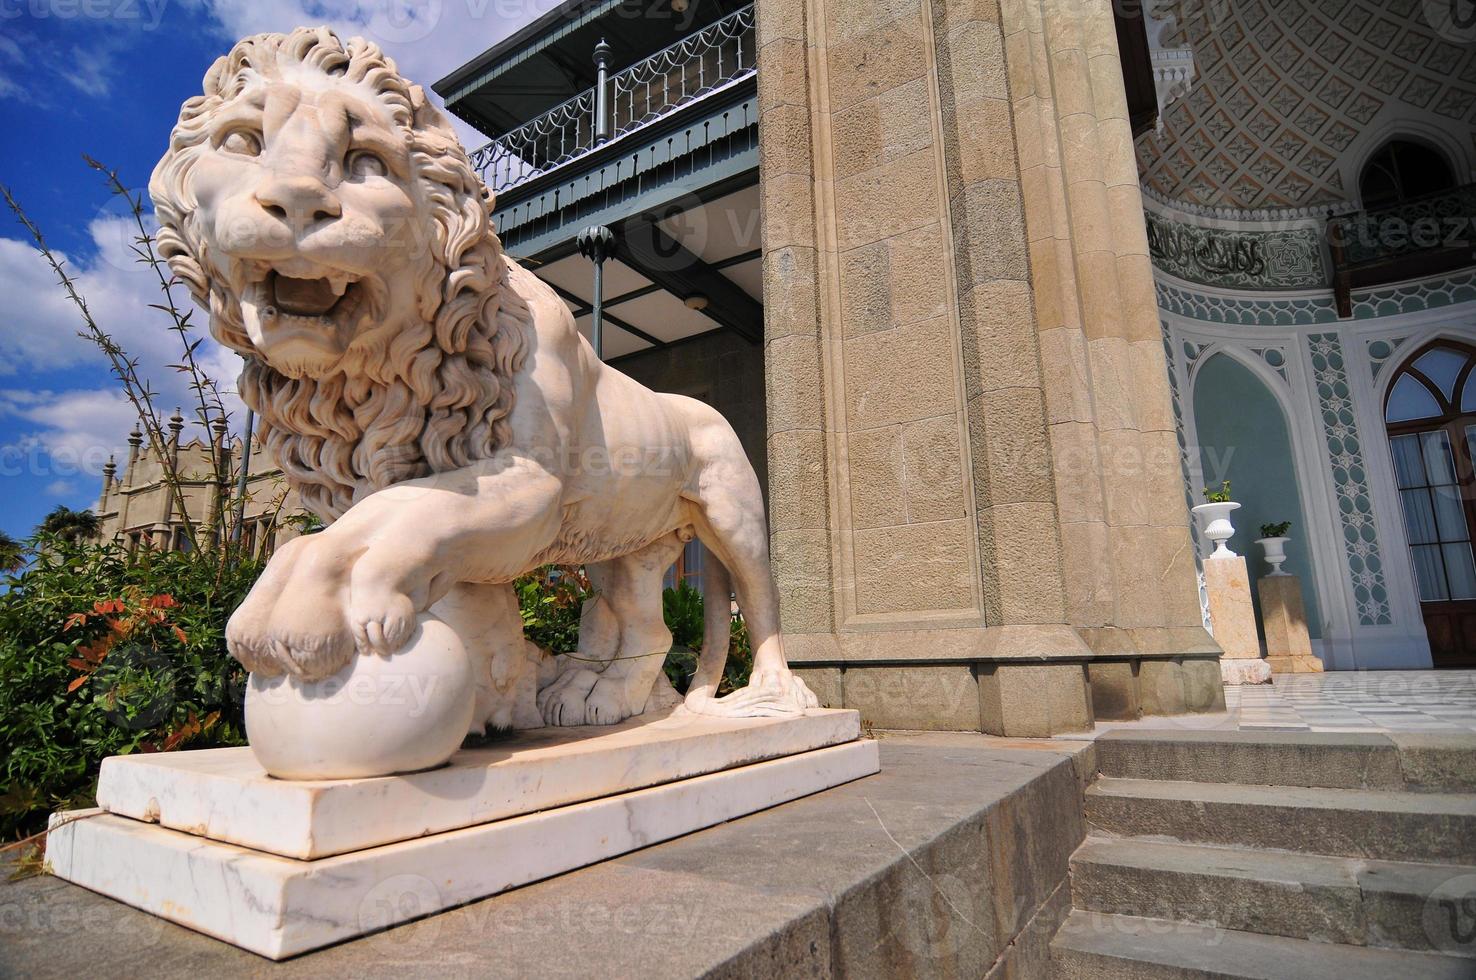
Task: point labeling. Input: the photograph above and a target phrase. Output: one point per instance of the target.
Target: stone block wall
(974, 475)
(719, 368)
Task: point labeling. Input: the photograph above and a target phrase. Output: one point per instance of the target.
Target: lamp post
(597, 243)
(602, 96)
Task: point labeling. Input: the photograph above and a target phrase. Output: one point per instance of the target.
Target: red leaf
(80, 664)
(76, 619)
(77, 682)
(179, 635)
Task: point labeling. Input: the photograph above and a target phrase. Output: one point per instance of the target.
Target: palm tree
(71, 525)
(12, 554)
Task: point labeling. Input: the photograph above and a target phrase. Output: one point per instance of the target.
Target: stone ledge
(852, 880)
(975, 644)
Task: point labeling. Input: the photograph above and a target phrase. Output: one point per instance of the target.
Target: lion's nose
(302, 202)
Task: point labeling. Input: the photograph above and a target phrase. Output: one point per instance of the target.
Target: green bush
(106, 652)
(103, 652)
(683, 607)
(551, 599)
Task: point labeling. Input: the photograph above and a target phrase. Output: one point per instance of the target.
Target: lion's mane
(435, 394)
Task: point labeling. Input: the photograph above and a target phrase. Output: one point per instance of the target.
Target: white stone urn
(1275, 550)
(1215, 519)
(375, 717)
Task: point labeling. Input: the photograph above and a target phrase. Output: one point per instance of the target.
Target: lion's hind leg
(728, 512)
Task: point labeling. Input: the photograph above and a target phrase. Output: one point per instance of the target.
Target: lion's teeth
(338, 284)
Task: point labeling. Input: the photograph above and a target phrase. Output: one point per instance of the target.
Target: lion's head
(325, 214)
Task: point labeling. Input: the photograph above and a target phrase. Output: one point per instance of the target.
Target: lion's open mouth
(303, 297)
(322, 310)
(328, 298)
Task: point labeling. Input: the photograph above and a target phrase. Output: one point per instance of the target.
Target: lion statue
(434, 402)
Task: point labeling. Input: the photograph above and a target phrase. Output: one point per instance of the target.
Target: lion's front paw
(293, 620)
(381, 619)
(289, 639)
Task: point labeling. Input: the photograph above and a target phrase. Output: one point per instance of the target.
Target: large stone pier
(977, 513)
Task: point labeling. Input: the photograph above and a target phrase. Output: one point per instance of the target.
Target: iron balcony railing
(1419, 237)
(1435, 221)
(696, 66)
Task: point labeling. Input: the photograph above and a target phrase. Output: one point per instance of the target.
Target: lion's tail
(716, 633)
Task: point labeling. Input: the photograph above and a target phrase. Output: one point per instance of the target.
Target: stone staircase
(1276, 855)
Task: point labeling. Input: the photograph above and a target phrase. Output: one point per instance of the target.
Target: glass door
(1431, 419)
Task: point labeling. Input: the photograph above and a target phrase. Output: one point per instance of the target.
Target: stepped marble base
(280, 906)
(223, 794)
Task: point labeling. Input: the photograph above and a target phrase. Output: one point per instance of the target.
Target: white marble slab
(223, 794)
(280, 907)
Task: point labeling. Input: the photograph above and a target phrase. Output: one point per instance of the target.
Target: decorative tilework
(1350, 478)
(1380, 351)
(1272, 311)
(1275, 358)
(1170, 356)
(1247, 310)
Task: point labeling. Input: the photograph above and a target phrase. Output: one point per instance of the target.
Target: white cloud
(428, 39)
(91, 70)
(77, 428)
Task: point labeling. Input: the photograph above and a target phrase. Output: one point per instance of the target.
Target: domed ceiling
(1286, 88)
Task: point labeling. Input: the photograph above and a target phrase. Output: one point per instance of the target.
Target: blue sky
(106, 78)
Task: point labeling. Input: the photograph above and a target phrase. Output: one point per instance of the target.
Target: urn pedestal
(1288, 644)
(1234, 620)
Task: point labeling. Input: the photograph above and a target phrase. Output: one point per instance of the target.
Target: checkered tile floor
(1359, 701)
(1436, 701)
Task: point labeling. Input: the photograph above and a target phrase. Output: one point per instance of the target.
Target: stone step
(1389, 826)
(1098, 946)
(1413, 762)
(1302, 896)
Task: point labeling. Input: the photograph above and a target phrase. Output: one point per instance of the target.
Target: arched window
(1403, 169)
(1430, 413)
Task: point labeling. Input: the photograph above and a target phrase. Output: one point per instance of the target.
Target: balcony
(713, 60)
(1420, 237)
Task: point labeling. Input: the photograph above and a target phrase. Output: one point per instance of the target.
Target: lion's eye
(365, 163)
(242, 141)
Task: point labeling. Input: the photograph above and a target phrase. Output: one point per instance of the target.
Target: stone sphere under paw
(375, 717)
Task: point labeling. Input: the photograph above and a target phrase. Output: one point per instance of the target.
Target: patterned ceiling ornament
(1252, 215)
(1298, 80)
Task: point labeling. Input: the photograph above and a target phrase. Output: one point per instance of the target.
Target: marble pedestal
(1234, 619)
(208, 840)
(1288, 644)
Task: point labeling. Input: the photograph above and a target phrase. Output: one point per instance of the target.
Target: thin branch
(125, 369)
(207, 394)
